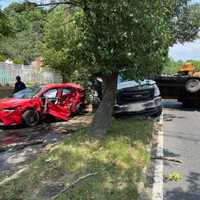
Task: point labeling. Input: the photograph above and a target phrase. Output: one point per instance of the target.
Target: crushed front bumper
(150, 107)
(10, 118)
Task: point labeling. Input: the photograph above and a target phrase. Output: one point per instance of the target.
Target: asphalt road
(182, 141)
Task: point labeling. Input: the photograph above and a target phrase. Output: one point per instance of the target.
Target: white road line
(158, 173)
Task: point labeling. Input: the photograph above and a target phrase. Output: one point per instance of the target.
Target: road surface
(181, 141)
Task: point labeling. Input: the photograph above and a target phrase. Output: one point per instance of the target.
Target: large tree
(60, 42)
(125, 36)
(26, 20)
(5, 27)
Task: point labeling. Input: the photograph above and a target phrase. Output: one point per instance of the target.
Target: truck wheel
(192, 85)
(31, 117)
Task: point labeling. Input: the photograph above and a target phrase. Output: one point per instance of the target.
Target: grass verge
(116, 161)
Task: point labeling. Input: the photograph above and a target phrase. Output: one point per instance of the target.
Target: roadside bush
(2, 58)
(17, 61)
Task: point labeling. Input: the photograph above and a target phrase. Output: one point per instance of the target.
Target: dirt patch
(5, 91)
(15, 150)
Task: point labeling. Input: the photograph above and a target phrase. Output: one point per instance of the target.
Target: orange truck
(183, 86)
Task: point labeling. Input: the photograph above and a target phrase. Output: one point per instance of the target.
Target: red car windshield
(27, 93)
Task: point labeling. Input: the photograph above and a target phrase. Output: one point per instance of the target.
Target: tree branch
(14, 176)
(57, 3)
(167, 159)
(73, 184)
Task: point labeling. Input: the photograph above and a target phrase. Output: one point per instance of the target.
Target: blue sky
(186, 51)
(4, 3)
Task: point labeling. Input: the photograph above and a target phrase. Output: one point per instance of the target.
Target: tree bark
(103, 116)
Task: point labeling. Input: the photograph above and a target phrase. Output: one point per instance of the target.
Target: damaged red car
(32, 104)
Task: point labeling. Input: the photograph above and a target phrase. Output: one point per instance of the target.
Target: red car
(31, 104)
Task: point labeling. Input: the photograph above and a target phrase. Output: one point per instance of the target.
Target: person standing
(19, 85)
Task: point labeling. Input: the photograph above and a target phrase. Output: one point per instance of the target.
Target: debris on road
(73, 184)
(174, 176)
(19, 146)
(167, 159)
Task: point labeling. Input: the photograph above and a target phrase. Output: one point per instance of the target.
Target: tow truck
(183, 86)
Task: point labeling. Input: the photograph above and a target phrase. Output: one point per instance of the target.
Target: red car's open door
(58, 111)
(67, 102)
(53, 104)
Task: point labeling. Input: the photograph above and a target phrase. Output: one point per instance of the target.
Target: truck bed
(174, 87)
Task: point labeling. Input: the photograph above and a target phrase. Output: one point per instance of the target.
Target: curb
(145, 188)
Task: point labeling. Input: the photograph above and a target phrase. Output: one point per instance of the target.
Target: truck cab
(138, 97)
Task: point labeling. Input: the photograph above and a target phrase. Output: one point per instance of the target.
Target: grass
(3, 176)
(118, 160)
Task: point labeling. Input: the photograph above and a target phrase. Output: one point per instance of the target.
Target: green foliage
(62, 41)
(196, 64)
(80, 76)
(27, 21)
(17, 61)
(171, 66)
(174, 176)
(5, 27)
(20, 7)
(188, 23)
(110, 36)
(2, 58)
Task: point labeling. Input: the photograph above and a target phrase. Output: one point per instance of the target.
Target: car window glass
(27, 93)
(50, 94)
(66, 91)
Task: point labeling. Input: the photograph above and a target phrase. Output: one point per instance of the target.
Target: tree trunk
(103, 116)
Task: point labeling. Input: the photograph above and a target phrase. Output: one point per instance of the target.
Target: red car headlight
(9, 109)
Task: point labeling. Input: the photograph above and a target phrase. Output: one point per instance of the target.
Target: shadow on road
(192, 193)
(169, 153)
(174, 104)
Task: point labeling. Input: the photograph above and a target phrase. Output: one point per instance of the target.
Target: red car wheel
(31, 117)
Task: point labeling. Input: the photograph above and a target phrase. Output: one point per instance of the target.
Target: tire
(31, 118)
(192, 85)
(80, 109)
(157, 114)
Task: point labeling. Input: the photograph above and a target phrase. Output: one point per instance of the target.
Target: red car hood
(12, 102)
